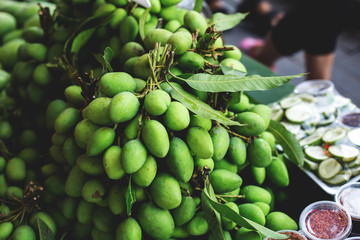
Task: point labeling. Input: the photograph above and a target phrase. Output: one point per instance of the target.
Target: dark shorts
(314, 25)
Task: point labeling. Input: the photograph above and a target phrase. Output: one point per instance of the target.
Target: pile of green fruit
(137, 126)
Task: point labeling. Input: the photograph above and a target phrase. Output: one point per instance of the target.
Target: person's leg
(319, 66)
(267, 53)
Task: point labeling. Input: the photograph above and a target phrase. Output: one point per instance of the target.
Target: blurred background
(346, 70)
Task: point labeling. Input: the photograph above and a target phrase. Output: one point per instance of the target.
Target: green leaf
(130, 198)
(226, 21)
(83, 32)
(44, 231)
(198, 107)
(212, 216)
(288, 142)
(227, 212)
(230, 83)
(142, 22)
(231, 71)
(105, 59)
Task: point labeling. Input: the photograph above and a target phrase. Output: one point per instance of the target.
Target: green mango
(258, 174)
(247, 234)
(263, 111)
(152, 24)
(73, 95)
(179, 160)
(112, 163)
(234, 64)
(140, 84)
(83, 132)
(8, 23)
(227, 223)
(225, 164)
(129, 29)
(157, 35)
(75, 182)
(157, 102)
(270, 138)
(277, 173)
(6, 229)
(4, 79)
(100, 141)
(169, 13)
(156, 222)
(259, 153)
(224, 181)
(30, 155)
(93, 190)
(123, 107)
(172, 25)
(181, 40)
(200, 163)
(180, 232)
(6, 130)
(97, 234)
(54, 108)
(255, 124)
(56, 152)
(132, 128)
(55, 184)
(264, 207)
(241, 106)
(167, 3)
(8, 53)
(84, 211)
(97, 111)
(33, 34)
(117, 199)
(129, 229)
(195, 22)
(112, 83)
(46, 218)
(68, 207)
(91, 165)
(199, 142)
(146, 174)
(221, 142)
(177, 116)
(15, 169)
(165, 191)
(234, 54)
(252, 212)
(155, 6)
(104, 219)
(237, 150)
(277, 221)
(67, 120)
(42, 76)
(155, 138)
(198, 225)
(105, 8)
(185, 211)
(23, 71)
(3, 185)
(117, 16)
(141, 68)
(118, 3)
(133, 156)
(131, 49)
(140, 11)
(253, 193)
(191, 61)
(24, 232)
(128, 66)
(230, 196)
(14, 192)
(36, 51)
(71, 151)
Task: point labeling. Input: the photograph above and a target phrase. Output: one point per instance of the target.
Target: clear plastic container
(348, 196)
(315, 87)
(325, 220)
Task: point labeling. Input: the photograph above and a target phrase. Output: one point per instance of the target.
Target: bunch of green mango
(123, 159)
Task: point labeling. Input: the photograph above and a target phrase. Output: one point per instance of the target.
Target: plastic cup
(293, 235)
(325, 220)
(348, 196)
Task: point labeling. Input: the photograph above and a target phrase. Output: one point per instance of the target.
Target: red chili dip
(352, 119)
(326, 223)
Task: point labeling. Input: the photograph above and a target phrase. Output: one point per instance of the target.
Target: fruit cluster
(104, 137)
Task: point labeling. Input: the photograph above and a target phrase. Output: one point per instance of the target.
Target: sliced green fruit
(313, 139)
(316, 153)
(311, 165)
(290, 101)
(292, 127)
(354, 163)
(355, 171)
(277, 114)
(329, 168)
(344, 152)
(299, 113)
(333, 135)
(306, 97)
(354, 136)
(340, 178)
